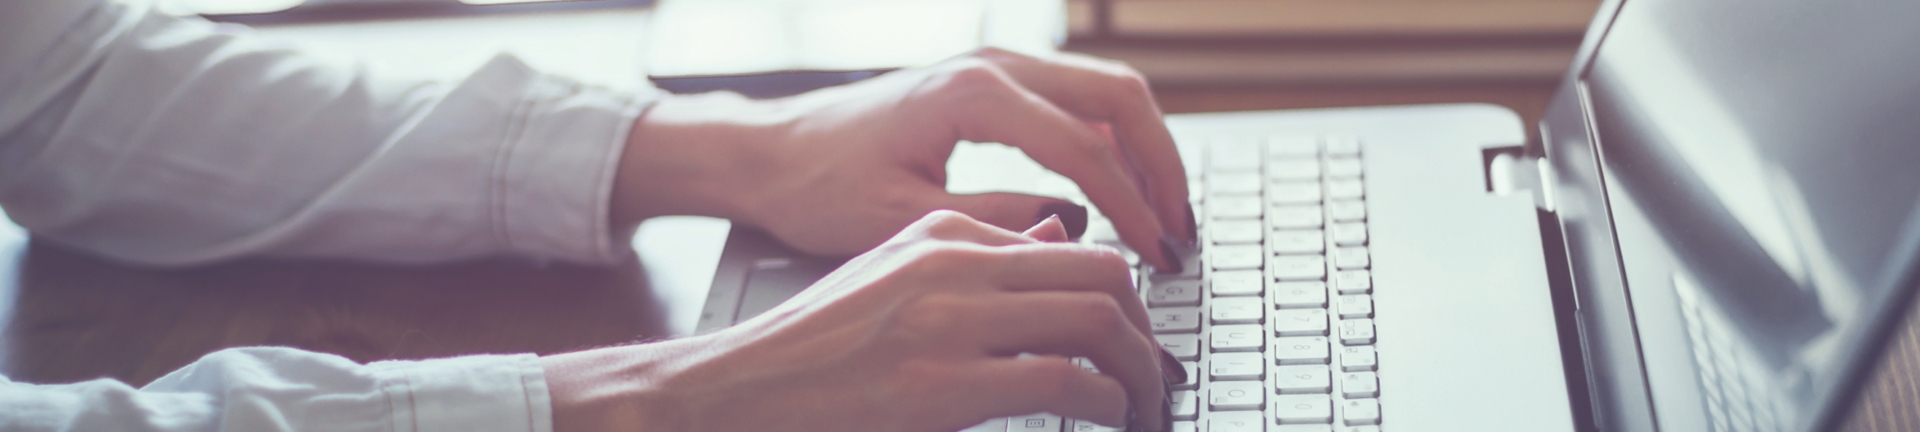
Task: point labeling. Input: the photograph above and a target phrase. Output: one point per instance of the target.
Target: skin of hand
(839, 170)
(920, 334)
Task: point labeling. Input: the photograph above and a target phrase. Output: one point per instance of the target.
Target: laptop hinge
(1510, 170)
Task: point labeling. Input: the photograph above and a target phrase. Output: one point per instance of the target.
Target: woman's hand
(921, 334)
(839, 170)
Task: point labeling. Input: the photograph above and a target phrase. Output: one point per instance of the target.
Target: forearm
(159, 140)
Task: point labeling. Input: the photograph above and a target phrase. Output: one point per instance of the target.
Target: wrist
(620, 388)
(701, 155)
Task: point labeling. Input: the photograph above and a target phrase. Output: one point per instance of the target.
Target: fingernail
(1173, 259)
(1043, 221)
(1170, 368)
(1072, 216)
(1193, 227)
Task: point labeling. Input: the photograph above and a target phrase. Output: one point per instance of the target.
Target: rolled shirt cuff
(553, 183)
(506, 393)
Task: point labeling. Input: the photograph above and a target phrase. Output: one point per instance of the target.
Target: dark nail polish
(1193, 227)
(1170, 368)
(1072, 216)
(1173, 259)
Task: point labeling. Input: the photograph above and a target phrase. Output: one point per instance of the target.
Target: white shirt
(158, 140)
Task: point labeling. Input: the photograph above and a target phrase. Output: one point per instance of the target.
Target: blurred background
(1201, 55)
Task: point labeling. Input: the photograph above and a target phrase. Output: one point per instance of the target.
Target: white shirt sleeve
(162, 140)
(284, 389)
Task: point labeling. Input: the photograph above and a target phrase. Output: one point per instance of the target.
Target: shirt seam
(511, 139)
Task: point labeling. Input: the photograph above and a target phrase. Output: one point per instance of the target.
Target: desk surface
(69, 316)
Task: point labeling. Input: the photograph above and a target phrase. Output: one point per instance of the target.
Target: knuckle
(940, 223)
(1107, 260)
(931, 314)
(1099, 315)
(1052, 379)
(1096, 151)
(975, 79)
(948, 259)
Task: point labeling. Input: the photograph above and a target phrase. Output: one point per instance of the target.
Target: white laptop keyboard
(1273, 317)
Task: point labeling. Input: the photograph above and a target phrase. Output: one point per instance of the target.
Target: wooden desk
(70, 316)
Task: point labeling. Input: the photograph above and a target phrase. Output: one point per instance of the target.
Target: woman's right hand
(923, 333)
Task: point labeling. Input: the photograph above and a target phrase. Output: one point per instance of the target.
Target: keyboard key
(1231, 283)
(1189, 268)
(1343, 168)
(1347, 210)
(1305, 428)
(1348, 233)
(1298, 267)
(1237, 310)
(1300, 322)
(1358, 412)
(1235, 396)
(1238, 231)
(1175, 320)
(1295, 217)
(1356, 332)
(1233, 183)
(1294, 193)
(1358, 359)
(1358, 385)
(1367, 428)
(1293, 147)
(1186, 405)
(1237, 421)
(1303, 409)
(1353, 257)
(1182, 346)
(1236, 338)
(1356, 306)
(1244, 366)
(1353, 281)
(1231, 154)
(1173, 293)
(1288, 170)
(1295, 295)
(1285, 242)
(1345, 189)
(1306, 379)
(1342, 146)
(1034, 423)
(1300, 351)
(1235, 207)
(1087, 426)
(1236, 257)
(1187, 426)
(1193, 376)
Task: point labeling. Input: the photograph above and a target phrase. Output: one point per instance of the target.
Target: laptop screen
(1760, 164)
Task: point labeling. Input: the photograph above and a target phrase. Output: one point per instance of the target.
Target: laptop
(1713, 228)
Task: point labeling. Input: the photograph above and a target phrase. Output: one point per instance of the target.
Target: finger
(1048, 231)
(1109, 92)
(1027, 385)
(1076, 324)
(1013, 211)
(1073, 267)
(983, 104)
(945, 224)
